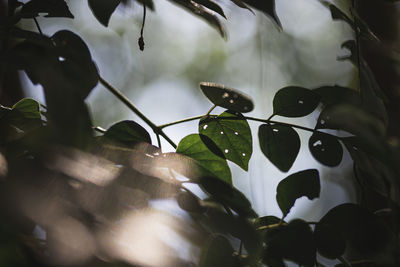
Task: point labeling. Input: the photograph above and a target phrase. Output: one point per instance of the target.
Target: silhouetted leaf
(233, 137)
(332, 95)
(193, 146)
(268, 7)
(294, 241)
(363, 28)
(203, 13)
(242, 4)
(211, 5)
(228, 195)
(128, 133)
(53, 8)
(218, 252)
(303, 183)
(103, 9)
(280, 144)
(225, 97)
(330, 242)
(352, 223)
(293, 101)
(326, 149)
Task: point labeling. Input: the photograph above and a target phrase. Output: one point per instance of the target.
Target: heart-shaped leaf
(103, 9)
(231, 134)
(326, 149)
(225, 97)
(194, 147)
(128, 133)
(303, 183)
(52, 8)
(280, 144)
(293, 101)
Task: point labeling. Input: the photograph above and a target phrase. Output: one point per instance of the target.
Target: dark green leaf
(128, 133)
(294, 241)
(326, 149)
(203, 13)
(330, 242)
(103, 9)
(211, 5)
(225, 97)
(268, 7)
(232, 136)
(303, 183)
(218, 252)
(332, 95)
(293, 101)
(228, 195)
(53, 8)
(280, 144)
(354, 224)
(193, 146)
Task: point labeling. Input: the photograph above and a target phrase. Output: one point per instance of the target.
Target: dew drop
(235, 96)
(205, 127)
(275, 130)
(236, 133)
(61, 59)
(225, 95)
(221, 132)
(301, 102)
(246, 108)
(231, 101)
(322, 122)
(322, 149)
(226, 150)
(244, 154)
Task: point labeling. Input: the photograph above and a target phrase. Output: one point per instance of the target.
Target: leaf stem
(132, 107)
(180, 121)
(344, 261)
(141, 39)
(211, 109)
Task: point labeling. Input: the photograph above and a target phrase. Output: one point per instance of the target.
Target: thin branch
(211, 109)
(344, 261)
(132, 107)
(38, 26)
(180, 121)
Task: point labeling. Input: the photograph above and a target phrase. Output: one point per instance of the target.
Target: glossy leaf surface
(225, 97)
(326, 149)
(280, 144)
(232, 136)
(303, 183)
(193, 146)
(293, 101)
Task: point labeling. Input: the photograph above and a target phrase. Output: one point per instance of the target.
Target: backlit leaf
(232, 136)
(280, 144)
(212, 6)
(293, 101)
(303, 183)
(193, 146)
(225, 97)
(203, 13)
(128, 133)
(326, 149)
(103, 9)
(52, 8)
